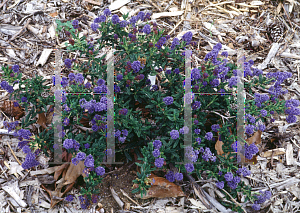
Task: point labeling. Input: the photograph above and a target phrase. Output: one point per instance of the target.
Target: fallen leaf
(218, 147)
(255, 138)
(49, 115)
(84, 120)
(74, 172)
(162, 188)
(41, 119)
(60, 169)
(53, 14)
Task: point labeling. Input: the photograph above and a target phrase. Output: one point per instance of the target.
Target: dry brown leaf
(49, 115)
(255, 138)
(53, 14)
(162, 188)
(85, 121)
(60, 169)
(74, 172)
(218, 147)
(41, 119)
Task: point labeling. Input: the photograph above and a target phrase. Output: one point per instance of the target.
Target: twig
(234, 200)
(25, 26)
(15, 155)
(126, 195)
(116, 197)
(3, 3)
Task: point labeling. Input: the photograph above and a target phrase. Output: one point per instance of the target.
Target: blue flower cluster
(70, 144)
(4, 85)
(10, 126)
(293, 110)
(168, 100)
(266, 195)
(170, 176)
(161, 42)
(159, 162)
(191, 154)
(208, 155)
(124, 134)
(250, 150)
(184, 130)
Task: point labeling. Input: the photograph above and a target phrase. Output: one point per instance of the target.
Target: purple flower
(249, 129)
(94, 26)
(228, 176)
(225, 54)
(16, 104)
(119, 77)
(156, 153)
(88, 85)
(141, 76)
(68, 144)
(256, 207)
(179, 176)
(123, 111)
(115, 19)
(208, 136)
(198, 140)
(168, 100)
(220, 184)
(75, 24)
(187, 37)
(30, 161)
(215, 127)
(122, 139)
(141, 15)
(26, 149)
(159, 162)
(125, 132)
(24, 99)
(99, 19)
(189, 167)
(68, 63)
(195, 74)
(95, 128)
(291, 119)
(71, 76)
(87, 145)
(263, 112)
(75, 161)
(136, 66)
(196, 122)
(69, 198)
(15, 68)
(80, 156)
(176, 71)
(170, 176)
(123, 23)
(89, 161)
(107, 12)
(196, 105)
(157, 144)
(175, 42)
(184, 130)
(174, 134)
(147, 29)
(118, 133)
(197, 131)
(100, 171)
(66, 121)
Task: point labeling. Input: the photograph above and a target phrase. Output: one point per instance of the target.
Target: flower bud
(155, 32)
(12, 75)
(154, 28)
(196, 87)
(91, 52)
(205, 75)
(128, 82)
(150, 44)
(10, 67)
(71, 41)
(125, 73)
(122, 42)
(195, 116)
